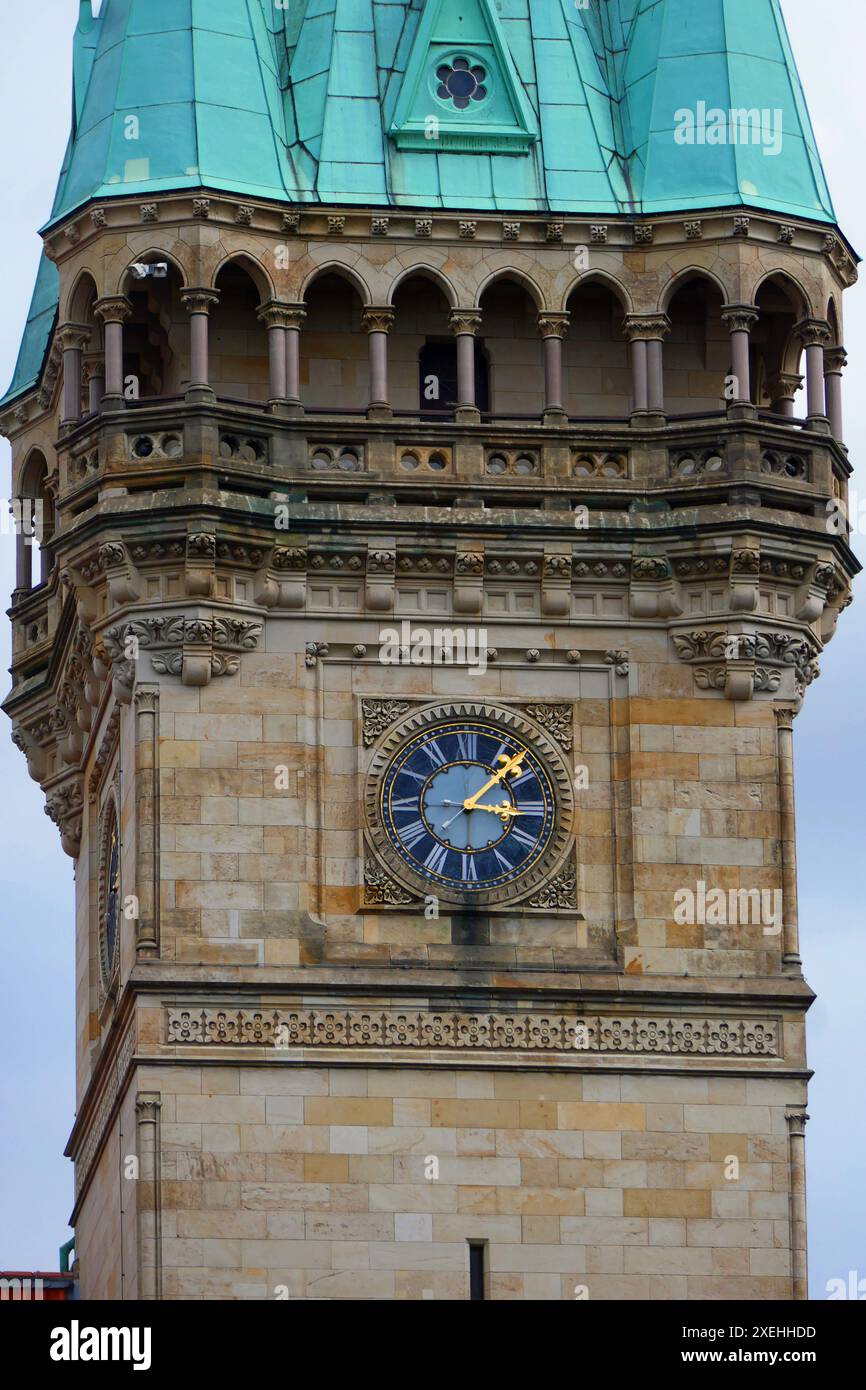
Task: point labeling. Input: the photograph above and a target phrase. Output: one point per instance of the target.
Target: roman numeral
(412, 833)
(469, 872)
(416, 776)
(524, 777)
(405, 803)
(435, 754)
(468, 744)
(503, 862)
(436, 858)
(522, 838)
(531, 808)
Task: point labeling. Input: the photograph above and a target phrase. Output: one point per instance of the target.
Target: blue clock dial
(468, 806)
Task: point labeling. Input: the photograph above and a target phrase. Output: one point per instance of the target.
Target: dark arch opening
(595, 355)
(697, 353)
(513, 348)
(238, 338)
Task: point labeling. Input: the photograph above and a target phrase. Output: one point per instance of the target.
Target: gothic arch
(516, 276)
(37, 524)
(126, 279)
(80, 299)
(425, 272)
(254, 269)
(598, 277)
(346, 272)
(799, 297)
(683, 277)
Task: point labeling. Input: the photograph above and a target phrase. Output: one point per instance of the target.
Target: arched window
(34, 522)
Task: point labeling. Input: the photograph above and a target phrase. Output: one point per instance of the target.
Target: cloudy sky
(36, 888)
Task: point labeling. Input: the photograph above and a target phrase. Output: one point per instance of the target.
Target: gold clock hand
(511, 766)
(504, 810)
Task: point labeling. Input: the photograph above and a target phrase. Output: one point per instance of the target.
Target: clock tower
(437, 459)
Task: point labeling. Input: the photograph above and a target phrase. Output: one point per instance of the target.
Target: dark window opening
(437, 363)
(476, 1273)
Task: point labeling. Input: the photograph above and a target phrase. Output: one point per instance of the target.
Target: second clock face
(468, 806)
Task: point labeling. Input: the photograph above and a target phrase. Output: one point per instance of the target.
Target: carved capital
(835, 361)
(275, 314)
(378, 318)
(646, 328)
(465, 321)
(199, 301)
(739, 318)
(553, 325)
(114, 309)
(73, 336)
(814, 332)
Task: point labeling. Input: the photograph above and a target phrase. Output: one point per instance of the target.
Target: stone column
(23, 550)
(553, 328)
(796, 1120)
(114, 313)
(465, 323)
(835, 362)
(781, 390)
(815, 336)
(94, 376)
(148, 1105)
(647, 332)
(73, 338)
(295, 315)
(198, 304)
(740, 319)
(378, 322)
(274, 319)
(788, 840)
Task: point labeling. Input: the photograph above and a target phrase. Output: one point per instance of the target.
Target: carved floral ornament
(742, 664)
(193, 647)
(489, 1032)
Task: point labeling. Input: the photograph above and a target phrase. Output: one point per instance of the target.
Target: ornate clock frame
(389, 880)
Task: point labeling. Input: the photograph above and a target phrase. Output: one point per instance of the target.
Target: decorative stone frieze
(373, 1026)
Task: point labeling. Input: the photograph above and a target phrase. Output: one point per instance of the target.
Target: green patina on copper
(577, 110)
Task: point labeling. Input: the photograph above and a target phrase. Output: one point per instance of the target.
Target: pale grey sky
(36, 884)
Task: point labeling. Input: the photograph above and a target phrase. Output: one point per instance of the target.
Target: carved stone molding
(105, 752)
(651, 1035)
(752, 661)
(650, 567)
(195, 648)
(65, 806)
(97, 1127)
(380, 890)
(556, 719)
(560, 892)
(378, 716)
(619, 662)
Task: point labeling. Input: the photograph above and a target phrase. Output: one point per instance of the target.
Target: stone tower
(436, 547)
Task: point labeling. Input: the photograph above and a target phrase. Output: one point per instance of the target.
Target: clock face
(467, 806)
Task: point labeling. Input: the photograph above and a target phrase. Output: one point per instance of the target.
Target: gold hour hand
(504, 810)
(510, 767)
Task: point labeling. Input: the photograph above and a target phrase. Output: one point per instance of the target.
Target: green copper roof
(553, 108)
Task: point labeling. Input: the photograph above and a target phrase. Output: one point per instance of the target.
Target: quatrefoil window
(461, 82)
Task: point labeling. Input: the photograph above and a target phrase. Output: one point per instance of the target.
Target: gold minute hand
(510, 765)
